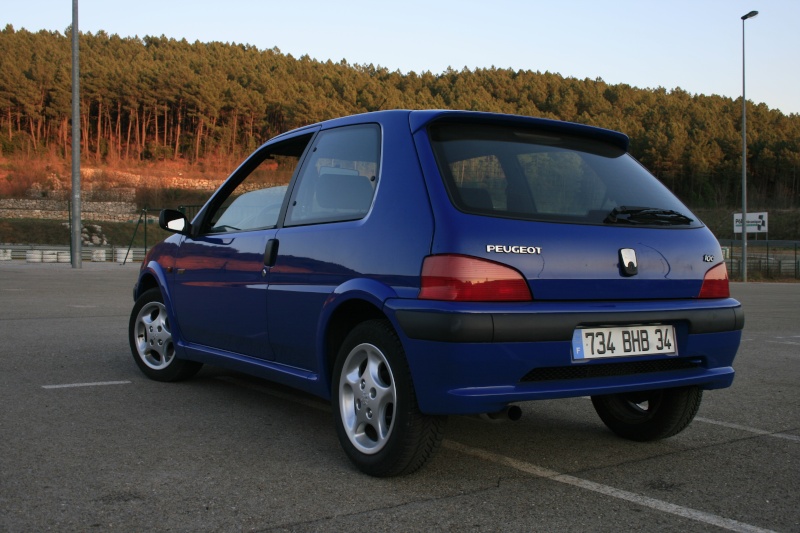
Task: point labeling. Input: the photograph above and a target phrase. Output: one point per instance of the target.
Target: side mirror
(174, 221)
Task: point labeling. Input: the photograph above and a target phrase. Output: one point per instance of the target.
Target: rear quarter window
(338, 181)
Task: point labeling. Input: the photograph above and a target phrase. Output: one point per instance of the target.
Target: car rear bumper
(475, 358)
(557, 322)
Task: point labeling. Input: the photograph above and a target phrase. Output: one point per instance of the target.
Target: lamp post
(744, 159)
(75, 217)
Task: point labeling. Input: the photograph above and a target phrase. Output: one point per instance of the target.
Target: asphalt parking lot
(89, 444)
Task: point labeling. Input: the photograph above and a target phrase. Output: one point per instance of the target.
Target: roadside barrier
(45, 254)
(49, 256)
(122, 255)
(33, 256)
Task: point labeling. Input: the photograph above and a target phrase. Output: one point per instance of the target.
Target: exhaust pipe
(509, 412)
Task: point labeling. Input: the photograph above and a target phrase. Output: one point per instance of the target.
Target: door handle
(271, 253)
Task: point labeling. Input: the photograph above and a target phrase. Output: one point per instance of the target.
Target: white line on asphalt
(737, 426)
(95, 384)
(790, 343)
(659, 505)
(538, 471)
(749, 429)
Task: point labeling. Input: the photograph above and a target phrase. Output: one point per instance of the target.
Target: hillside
(203, 106)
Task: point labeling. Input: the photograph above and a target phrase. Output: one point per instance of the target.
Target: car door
(322, 237)
(221, 276)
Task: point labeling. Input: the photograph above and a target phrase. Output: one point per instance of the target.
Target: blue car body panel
(230, 306)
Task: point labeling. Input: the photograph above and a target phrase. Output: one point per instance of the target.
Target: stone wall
(120, 194)
(114, 179)
(113, 201)
(53, 209)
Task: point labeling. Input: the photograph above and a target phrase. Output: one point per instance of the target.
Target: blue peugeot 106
(409, 265)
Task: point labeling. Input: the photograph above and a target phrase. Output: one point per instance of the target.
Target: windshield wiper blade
(646, 215)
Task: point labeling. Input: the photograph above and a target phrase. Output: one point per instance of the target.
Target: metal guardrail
(772, 259)
(46, 253)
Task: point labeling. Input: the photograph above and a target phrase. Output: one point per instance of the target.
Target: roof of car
(419, 119)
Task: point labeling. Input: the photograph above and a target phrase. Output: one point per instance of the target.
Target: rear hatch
(566, 206)
(572, 262)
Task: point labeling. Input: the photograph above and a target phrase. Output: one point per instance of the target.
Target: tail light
(470, 279)
(715, 283)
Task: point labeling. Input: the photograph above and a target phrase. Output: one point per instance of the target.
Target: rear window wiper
(646, 215)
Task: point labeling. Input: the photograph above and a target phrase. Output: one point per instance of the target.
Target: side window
(255, 201)
(250, 210)
(338, 180)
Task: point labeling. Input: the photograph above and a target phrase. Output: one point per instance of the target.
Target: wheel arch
(146, 282)
(153, 276)
(354, 301)
(341, 321)
(153, 346)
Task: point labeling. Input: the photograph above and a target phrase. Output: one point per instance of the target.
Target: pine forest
(157, 99)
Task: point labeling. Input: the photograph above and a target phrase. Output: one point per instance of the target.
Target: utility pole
(75, 233)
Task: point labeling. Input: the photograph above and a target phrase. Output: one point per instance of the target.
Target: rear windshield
(518, 173)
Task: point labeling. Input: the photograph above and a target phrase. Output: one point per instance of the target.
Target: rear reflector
(469, 279)
(715, 283)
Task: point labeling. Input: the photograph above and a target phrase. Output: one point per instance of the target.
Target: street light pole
(744, 158)
(75, 217)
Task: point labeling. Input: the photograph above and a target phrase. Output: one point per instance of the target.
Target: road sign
(756, 222)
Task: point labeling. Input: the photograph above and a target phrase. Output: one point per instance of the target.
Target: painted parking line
(791, 340)
(538, 471)
(606, 490)
(729, 425)
(93, 384)
(748, 429)
(790, 343)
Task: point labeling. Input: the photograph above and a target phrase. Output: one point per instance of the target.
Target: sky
(692, 44)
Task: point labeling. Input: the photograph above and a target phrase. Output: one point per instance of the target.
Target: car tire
(649, 415)
(375, 409)
(151, 341)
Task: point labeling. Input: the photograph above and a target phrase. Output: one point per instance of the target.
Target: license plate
(625, 341)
